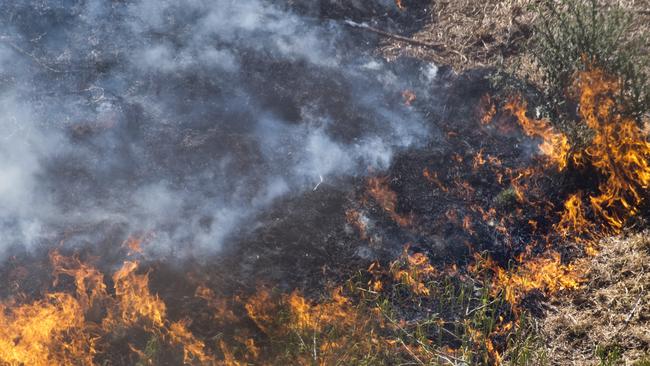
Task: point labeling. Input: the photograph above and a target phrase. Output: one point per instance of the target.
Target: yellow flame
(555, 145)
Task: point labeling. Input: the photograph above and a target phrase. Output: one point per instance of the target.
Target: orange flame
(545, 273)
(61, 328)
(619, 150)
(413, 270)
(555, 145)
(387, 199)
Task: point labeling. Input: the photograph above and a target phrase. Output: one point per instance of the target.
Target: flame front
(619, 150)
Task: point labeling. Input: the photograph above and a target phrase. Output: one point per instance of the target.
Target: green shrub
(572, 35)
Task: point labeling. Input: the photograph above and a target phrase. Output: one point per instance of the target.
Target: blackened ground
(385, 13)
(305, 241)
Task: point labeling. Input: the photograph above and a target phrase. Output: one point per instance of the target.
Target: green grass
(610, 355)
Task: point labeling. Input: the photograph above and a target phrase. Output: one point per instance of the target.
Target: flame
(478, 160)
(555, 145)
(133, 245)
(193, 348)
(325, 328)
(413, 270)
(135, 301)
(62, 328)
(222, 312)
(573, 222)
(77, 326)
(387, 199)
(45, 332)
(544, 273)
(488, 109)
(433, 178)
(359, 221)
(619, 150)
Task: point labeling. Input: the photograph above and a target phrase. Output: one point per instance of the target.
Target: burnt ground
(304, 240)
(113, 153)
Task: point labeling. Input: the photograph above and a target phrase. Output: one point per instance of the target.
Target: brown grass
(612, 310)
(486, 33)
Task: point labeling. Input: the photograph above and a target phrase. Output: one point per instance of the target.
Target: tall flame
(619, 150)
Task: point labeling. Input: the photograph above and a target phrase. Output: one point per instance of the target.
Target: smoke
(182, 119)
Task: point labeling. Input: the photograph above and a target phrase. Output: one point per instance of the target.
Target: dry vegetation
(489, 33)
(473, 34)
(596, 311)
(610, 316)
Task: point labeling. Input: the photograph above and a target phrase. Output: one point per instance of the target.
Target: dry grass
(610, 314)
(487, 33)
(473, 33)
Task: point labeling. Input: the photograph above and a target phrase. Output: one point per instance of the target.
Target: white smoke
(169, 117)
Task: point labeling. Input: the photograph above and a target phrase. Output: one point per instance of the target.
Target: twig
(631, 314)
(393, 35)
(319, 183)
(315, 354)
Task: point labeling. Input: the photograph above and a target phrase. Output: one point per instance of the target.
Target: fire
(193, 348)
(573, 222)
(62, 328)
(133, 245)
(478, 160)
(387, 199)
(45, 332)
(76, 321)
(544, 273)
(359, 221)
(325, 329)
(619, 150)
(413, 270)
(488, 109)
(221, 309)
(433, 178)
(555, 145)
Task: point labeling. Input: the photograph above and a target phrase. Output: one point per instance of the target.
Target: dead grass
(611, 314)
(474, 34)
(489, 33)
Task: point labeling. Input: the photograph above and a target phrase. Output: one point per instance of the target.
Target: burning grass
(516, 226)
(375, 318)
(408, 310)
